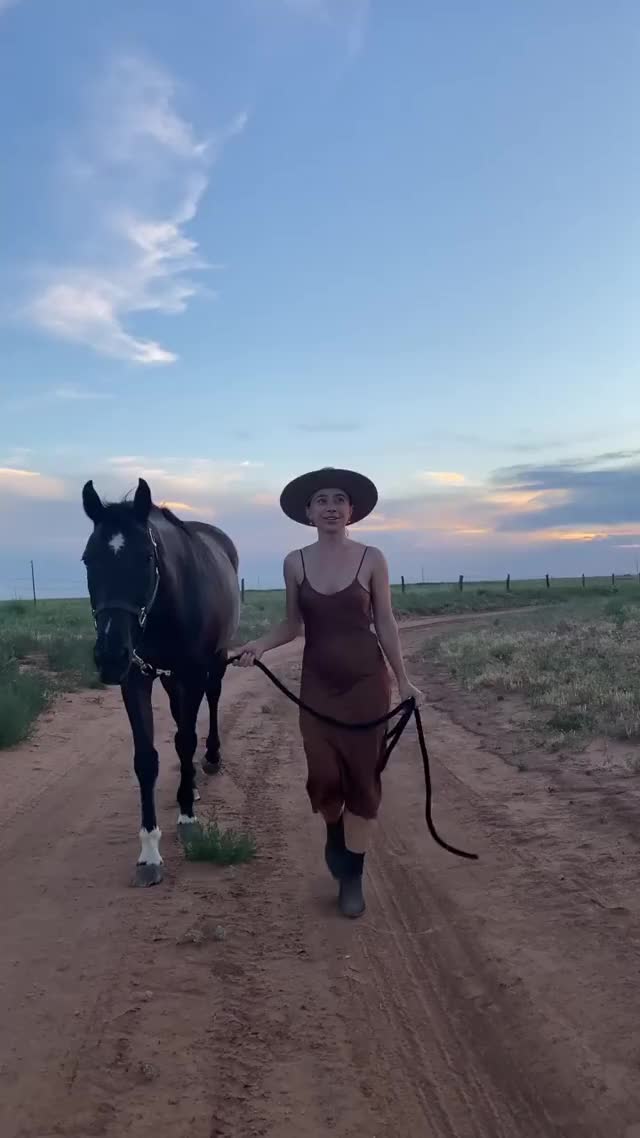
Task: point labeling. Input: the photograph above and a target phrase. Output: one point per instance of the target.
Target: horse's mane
(173, 519)
(121, 511)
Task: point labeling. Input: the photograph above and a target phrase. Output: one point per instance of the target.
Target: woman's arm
(386, 626)
(284, 632)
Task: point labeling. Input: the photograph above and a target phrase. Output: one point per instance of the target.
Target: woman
(334, 587)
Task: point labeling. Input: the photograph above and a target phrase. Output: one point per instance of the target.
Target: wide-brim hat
(361, 491)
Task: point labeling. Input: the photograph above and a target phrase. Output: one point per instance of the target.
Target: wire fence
(34, 587)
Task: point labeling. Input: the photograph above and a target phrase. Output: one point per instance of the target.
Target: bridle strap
(135, 610)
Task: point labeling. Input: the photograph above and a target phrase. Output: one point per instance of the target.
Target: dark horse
(166, 603)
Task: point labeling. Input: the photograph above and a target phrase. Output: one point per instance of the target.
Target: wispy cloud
(347, 16)
(21, 483)
(66, 393)
(4, 4)
(444, 477)
(193, 480)
(329, 427)
(138, 171)
(70, 394)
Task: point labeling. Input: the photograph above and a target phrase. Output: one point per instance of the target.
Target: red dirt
(497, 999)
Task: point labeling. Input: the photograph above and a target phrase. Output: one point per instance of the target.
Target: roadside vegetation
(577, 669)
(48, 648)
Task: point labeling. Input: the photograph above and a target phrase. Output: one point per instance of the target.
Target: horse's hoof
(187, 831)
(210, 766)
(147, 875)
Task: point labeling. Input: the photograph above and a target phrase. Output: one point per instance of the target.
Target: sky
(242, 239)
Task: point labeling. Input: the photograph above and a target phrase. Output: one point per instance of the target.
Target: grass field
(48, 648)
(577, 669)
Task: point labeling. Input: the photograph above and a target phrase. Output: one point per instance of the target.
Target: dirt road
(498, 999)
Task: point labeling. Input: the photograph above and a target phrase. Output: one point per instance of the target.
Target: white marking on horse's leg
(185, 820)
(150, 847)
(116, 543)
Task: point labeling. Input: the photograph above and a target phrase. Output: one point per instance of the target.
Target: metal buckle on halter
(148, 669)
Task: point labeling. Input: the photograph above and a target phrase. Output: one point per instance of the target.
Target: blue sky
(246, 238)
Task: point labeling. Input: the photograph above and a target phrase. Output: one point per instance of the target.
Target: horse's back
(201, 562)
(221, 592)
(215, 540)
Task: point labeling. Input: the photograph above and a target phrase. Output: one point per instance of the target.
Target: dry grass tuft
(581, 670)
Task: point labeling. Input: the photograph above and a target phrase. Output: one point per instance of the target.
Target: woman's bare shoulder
(294, 564)
(293, 557)
(374, 554)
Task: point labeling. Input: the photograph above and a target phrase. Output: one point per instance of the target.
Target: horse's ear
(93, 507)
(142, 501)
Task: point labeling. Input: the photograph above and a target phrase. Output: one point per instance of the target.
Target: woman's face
(329, 510)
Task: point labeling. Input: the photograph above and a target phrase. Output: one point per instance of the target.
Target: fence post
(584, 583)
(508, 582)
(242, 590)
(613, 580)
(461, 582)
(548, 581)
(33, 585)
(402, 584)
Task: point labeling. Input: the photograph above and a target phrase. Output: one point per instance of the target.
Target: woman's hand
(407, 691)
(246, 656)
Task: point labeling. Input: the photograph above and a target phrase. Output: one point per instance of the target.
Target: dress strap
(304, 568)
(366, 550)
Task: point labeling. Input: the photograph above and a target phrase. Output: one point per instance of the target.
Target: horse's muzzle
(113, 668)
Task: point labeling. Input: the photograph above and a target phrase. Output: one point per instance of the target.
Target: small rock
(193, 936)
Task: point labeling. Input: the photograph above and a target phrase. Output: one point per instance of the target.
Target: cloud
(526, 521)
(138, 171)
(381, 523)
(4, 4)
(19, 483)
(79, 394)
(582, 495)
(329, 427)
(66, 393)
(349, 17)
(197, 481)
(180, 507)
(444, 477)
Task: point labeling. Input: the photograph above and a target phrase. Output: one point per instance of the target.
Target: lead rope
(406, 710)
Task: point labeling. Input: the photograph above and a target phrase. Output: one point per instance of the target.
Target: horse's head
(121, 560)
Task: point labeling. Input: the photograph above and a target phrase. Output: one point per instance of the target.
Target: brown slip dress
(344, 675)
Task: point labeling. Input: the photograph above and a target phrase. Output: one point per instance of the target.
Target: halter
(141, 613)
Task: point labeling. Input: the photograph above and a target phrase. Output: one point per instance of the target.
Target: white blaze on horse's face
(116, 543)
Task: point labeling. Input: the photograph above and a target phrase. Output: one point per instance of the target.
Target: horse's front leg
(173, 689)
(190, 693)
(212, 761)
(136, 693)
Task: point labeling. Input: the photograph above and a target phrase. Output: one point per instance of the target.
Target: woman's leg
(363, 792)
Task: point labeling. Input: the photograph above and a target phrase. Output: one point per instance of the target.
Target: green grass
(48, 648)
(262, 609)
(259, 612)
(577, 670)
(222, 847)
(23, 696)
(43, 650)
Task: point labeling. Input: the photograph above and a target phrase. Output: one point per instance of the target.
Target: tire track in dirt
(236, 1003)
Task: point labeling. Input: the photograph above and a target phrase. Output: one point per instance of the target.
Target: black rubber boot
(335, 849)
(351, 897)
